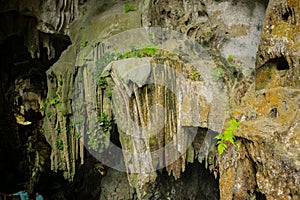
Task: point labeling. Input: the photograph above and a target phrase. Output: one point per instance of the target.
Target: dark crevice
(260, 196)
(273, 113)
(289, 15)
(264, 73)
(196, 182)
(261, 57)
(18, 68)
(191, 31)
(281, 62)
(247, 143)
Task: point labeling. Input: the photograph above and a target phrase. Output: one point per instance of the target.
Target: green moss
(217, 73)
(128, 8)
(134, 181)
(127, 55)
(147, 51)
(84, 43)
(54, 100)
(230, 57)
(108, 94)
(194, 75)
(102, 83)
(152, 140)
(93, 143)
(78, 135)
(59, 144)
(48, 113)
(58, 128)
(104, 122)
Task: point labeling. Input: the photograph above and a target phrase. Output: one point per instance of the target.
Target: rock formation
(145, 89)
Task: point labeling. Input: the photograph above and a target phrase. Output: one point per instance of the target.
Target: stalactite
(47, 43)
(62, 13)
(62, 137)
(135, 109)
(33, 39)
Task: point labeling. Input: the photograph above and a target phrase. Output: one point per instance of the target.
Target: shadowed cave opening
(196, 182)
(22, 77)
(265, 73)
(281, 63)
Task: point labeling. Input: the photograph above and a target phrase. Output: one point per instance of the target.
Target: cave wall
(269, 114)
(259, 89)
(26, 53)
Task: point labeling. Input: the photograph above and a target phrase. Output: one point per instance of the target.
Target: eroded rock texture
(159, 106)
(278, 56)
(269, 159)
(27, 51)
(202, 75)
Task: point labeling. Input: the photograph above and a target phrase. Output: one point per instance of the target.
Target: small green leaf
(84, 43)
(128, 8)
(221, 148)
(227, 136)
(230, 57)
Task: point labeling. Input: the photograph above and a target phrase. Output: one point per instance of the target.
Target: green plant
(151, 37)
(129, 8)
(58, 128)
(84, 43)
(44, 108)
(59, 144)
(48, 113)
(227, 136)
(52, 102)
(93, 143)
(217, 73)
(106, 58)
(102, 83)
(60, 82)
(109, 94)
(230, 57)
(194, 75)
(104, 122)
(78, 135)
(127, 55)
(147, 51)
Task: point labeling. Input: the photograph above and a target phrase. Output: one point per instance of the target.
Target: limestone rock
(278, 55)
(269, 115)
(90, 100)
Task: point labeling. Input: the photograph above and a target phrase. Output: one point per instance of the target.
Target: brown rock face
(270, 115)
(264, 164)
(277, 63)
(270, 130)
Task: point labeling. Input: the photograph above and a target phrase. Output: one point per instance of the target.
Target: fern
(221, 147)
(227, 136)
